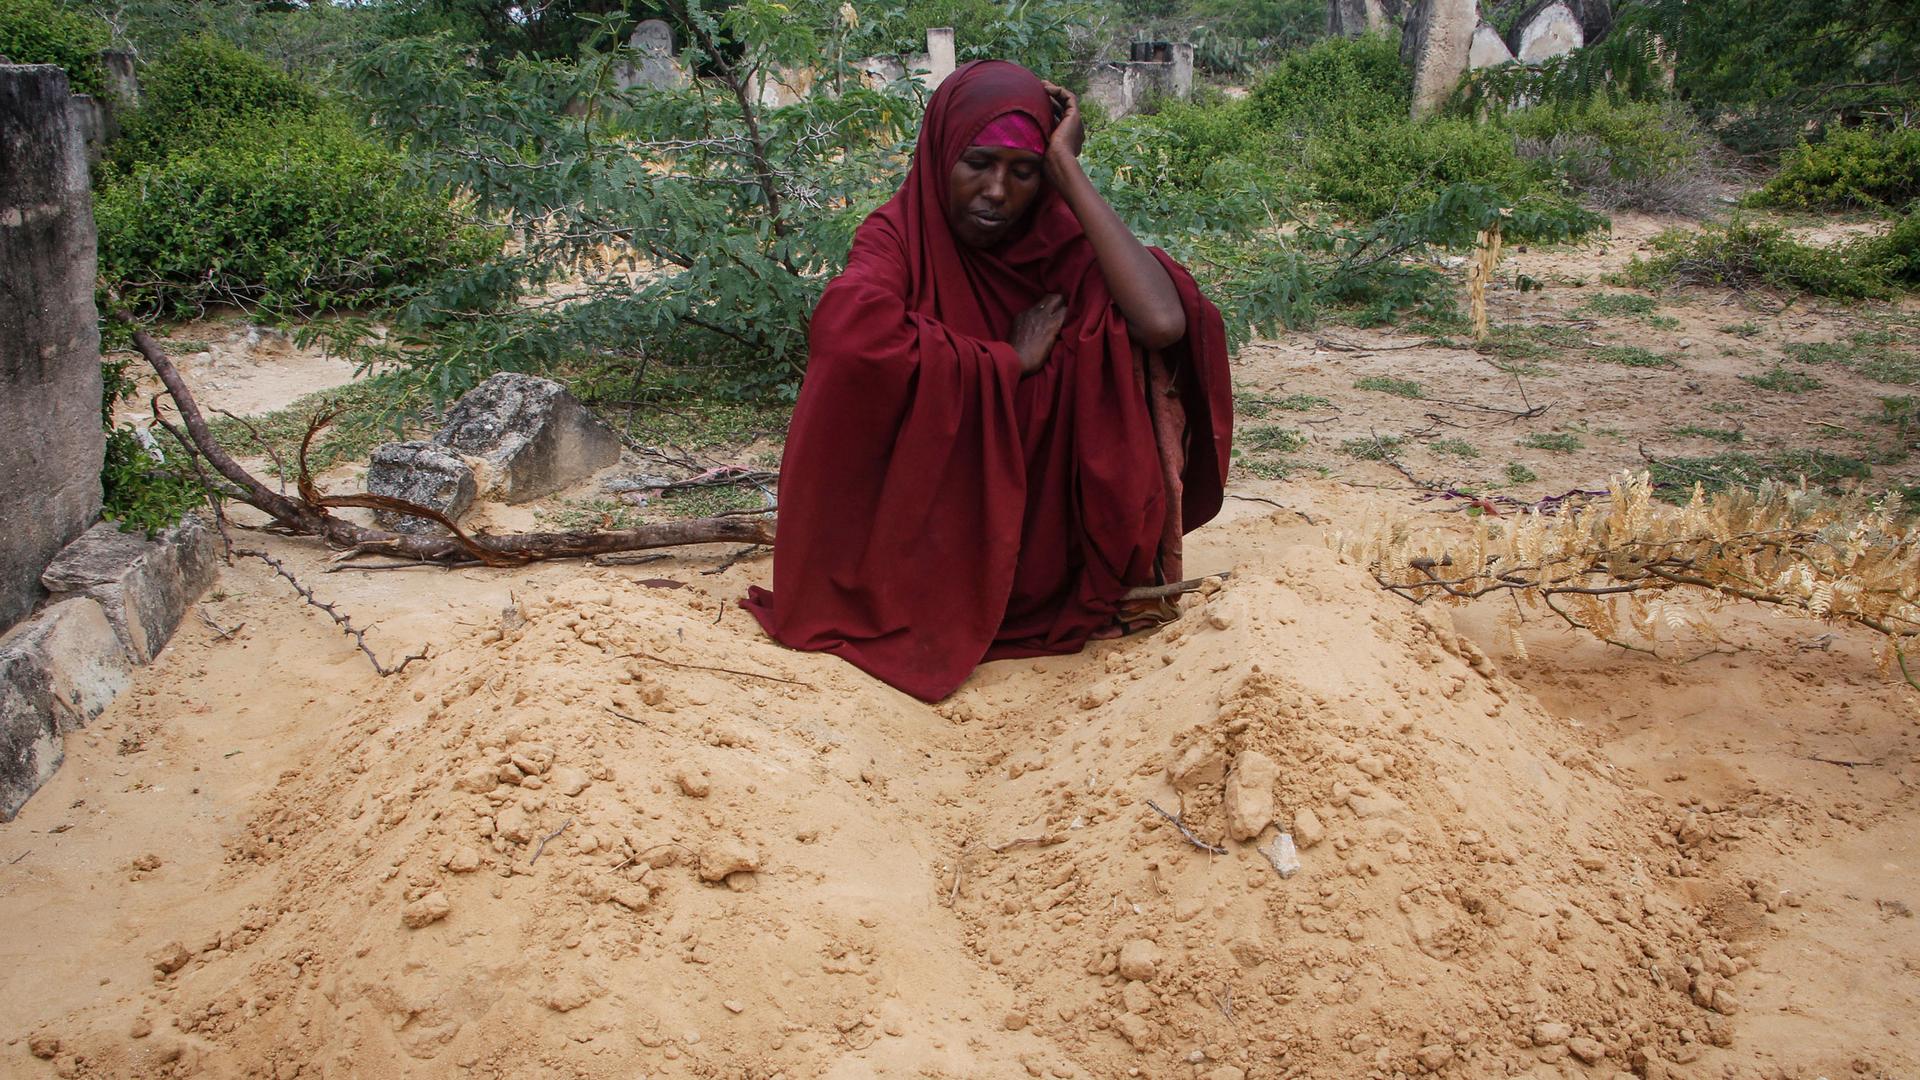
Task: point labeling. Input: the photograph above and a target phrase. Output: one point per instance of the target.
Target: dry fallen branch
(1629, 568)
(1186, 832)
(307, 514)
(358, 634)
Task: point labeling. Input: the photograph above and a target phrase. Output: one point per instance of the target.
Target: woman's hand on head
(1069, 130)
(1036, 329)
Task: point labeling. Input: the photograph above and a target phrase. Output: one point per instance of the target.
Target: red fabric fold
(936, 508)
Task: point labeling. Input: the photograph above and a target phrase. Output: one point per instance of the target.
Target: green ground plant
(1869, 168)
(1675, 478)
(1457, 448)
(1383, 384)
(1744, 253)
(1784, 380)
(46, 32)
(1272, 438)
(1517, 473)
(1696, 431)
(1559, 442)
(1632, 356)
(1374, 447)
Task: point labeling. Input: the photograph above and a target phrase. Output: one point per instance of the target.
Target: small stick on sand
(1186, 832)
(726, 670)
(543, 841)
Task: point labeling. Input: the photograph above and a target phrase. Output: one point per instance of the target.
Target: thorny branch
(345, 623)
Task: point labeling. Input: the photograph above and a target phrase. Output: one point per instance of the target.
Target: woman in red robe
(1012, 409)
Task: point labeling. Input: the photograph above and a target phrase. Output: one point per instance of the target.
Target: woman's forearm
(1139, 283)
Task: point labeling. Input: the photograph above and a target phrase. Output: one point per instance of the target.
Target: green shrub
(1401, 164)
(1338, 82)
(307, 217)
(145, 483)
(45, 32)
(1743, 253)
(1852, 167)
(204, 91)
(1895, 254)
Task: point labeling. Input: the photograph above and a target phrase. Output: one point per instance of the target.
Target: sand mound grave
(552, 852)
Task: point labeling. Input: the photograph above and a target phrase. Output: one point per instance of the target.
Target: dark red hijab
(936, 508)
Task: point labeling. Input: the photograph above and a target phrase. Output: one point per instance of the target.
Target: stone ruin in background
(81, 603)
(1444, 39)
(1121, 87)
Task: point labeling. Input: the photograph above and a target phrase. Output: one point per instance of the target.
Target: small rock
(170, 957)
(726, 855)
(693, 782)
(1724, 1002)
(1201, 763)
(142, 1027)
(1139, 960)
(633, 897)
(1587, 1050)
(1136, 998)
(1249, 795)
(734, 1007)
(513, 823)
(1014, 1020)
(568, 780)
(1307, 829)
(1704, 984)
(43, 1046)
(464, 861)
(1551, 1034)
(1435, 1057)
(147, 862)
(430, 908)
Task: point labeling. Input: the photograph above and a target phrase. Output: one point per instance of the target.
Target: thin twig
(1186, 832)
(345, 624)
(543, 841)
(725, 670)
(224, 633)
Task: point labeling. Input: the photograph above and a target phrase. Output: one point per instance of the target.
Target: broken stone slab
(1593, 17)
(1547, 31)
(58, 670)
(424, 474)
(1488, 49)
(534, 436)
(144, 586)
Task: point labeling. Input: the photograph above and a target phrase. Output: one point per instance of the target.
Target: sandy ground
(609, 830)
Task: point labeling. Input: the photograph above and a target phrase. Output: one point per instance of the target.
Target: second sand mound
(612, 838)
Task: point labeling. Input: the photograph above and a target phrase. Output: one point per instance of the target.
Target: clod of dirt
(1307, 829)
(693, 782)
(480, 779)
(568, 780)
(1250, 794)
(727, 855)
(1139, 960)
(148, 862)
(44, 1046)
(141, 1028)
(430, 908)
(170, 957)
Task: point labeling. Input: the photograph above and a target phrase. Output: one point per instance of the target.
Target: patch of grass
(1405, 388)
(1744, 253)
(1726, 408)
(700, 423)
(1559, 442)
(1663, 322)
(1374, 448)
(367, 413)
(1271, 468)
(1520, 474)
(1817, 352)
(1735, 469)
(1720, 435)
(1273, 438)
(1459, 448)
(604, 513)
(1741, 329)
(1783, 380)
(1621, 304)
(1257, 406)
(1632, 356)
(1900, 369)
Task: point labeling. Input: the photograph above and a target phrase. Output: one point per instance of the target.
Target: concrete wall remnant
(51, 442)
(423, 474)
(940, 56)
(144, 585)
(1354, 18)
(649, 62)
(1436, 42)
(1124, 87)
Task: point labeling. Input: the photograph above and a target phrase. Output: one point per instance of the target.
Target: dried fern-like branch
(1630, 568)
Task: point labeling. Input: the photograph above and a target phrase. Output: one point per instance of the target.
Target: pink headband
(1013, 129)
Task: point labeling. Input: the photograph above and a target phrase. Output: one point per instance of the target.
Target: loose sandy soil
(610, 830)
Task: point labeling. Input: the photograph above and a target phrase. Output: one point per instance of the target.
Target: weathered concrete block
(30, 748)
(144, 586)
(1353, 18)
(51, 443)
(423, 474)
(536, 437)
(1436, 41)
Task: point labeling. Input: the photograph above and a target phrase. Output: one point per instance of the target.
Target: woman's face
(989, 193)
